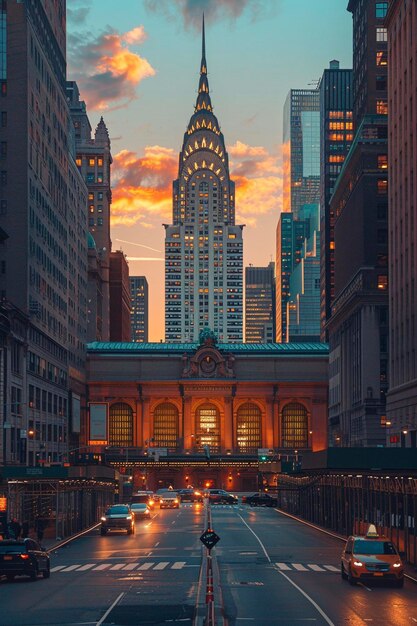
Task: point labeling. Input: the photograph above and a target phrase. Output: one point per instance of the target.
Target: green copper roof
(236, 348)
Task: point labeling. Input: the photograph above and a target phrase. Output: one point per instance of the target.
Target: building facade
(120, 317)
(402, 282)
(203, 245)
(37, 192)
(358, 326)
(93, 158)
(205, 409)
(139, 311)
(260, 304)
(336, 135)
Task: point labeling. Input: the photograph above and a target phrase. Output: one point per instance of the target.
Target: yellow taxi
(371, 557)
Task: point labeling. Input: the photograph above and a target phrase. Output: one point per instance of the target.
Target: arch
(121, 424)
(248, 427)
(294, 426)
(165, 425)
(207, 421)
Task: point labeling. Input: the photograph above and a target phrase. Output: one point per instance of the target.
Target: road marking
(316, 606)
(130, 566)
(109, 610)
(146, 566)
(57, 568)
(71, 568)
(283, 566)
(178, 565)
(101, 567)
(331, 568)
(299, 567)
(316, 568)
(255, 535)
(117, 566)
(85, 567)
(161, 565)
(157, 544)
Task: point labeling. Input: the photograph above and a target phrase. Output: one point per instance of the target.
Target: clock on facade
(208, 364)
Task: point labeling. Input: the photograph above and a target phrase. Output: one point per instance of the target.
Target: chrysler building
(203, 246)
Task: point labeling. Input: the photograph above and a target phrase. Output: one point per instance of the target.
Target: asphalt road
(272, 570)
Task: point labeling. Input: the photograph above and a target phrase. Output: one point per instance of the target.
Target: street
(272, 569)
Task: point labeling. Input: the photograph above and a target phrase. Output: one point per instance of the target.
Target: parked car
(140, 510)
(169, 500)
(23, 557)
(118, 517)
(220, 496)
(190, 495)
(260, 499)
(371, 557)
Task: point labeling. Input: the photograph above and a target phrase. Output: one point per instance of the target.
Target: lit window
(381, 34)
(100, 161)
(382, 186)
(91, 162)
(381, 57)
(382, 107)
(78, 162)
(381, 9)
(382, 161)
(383, 282)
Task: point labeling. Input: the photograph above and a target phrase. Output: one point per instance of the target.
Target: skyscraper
(358, 326)
(259, 304)
(402, 283)
(43, 218)
(203, 245)
(139, 308)
(336, 135)
(120, 322)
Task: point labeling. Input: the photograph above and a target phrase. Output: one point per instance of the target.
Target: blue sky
(144, 56)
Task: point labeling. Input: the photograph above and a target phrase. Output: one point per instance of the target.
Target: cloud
(78, 10)
(191, 11)
(106, 69)
(142, 186)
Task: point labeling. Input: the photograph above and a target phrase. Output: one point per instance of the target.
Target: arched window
(121, 425)
(165, 426)
(208, 427)
(294, 426)
(248, 432)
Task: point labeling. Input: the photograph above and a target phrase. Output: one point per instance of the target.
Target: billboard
(98, 422)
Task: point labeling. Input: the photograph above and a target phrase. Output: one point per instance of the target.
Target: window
(381, 57)
(381, 9)
(381, 34)
(248, 433)
(383, 282)
(91, 162)
(78, 162)
(382, 107)
(382, 161)
(121, 425)
(208, 427)
(294, 426)
(381, 83)
(99, 177)
(165, 426)
(382, 186)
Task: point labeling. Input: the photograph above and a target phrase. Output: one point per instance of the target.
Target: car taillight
(24, 556)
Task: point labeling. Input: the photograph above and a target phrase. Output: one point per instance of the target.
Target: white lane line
(87, 566)
(283, 566)
(146, 566)
(332, 568)
(101, 567)
(157, 544)
(299, 567)
(178, 565)
(255, 535)
(57, 568)
(130, 566)
(316, 606)
(316, 568)
(111, 607)
(71, 568)
(161, 565)
(117, 566)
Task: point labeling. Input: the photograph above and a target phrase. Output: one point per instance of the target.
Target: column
(188, 422)
(227, 435)
(269, 423)
(146, 419)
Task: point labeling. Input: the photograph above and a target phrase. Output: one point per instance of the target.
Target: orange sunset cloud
(106, 69)
(142, 186)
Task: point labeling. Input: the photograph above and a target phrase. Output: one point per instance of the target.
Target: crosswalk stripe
(57, 568)
(178, 565)
(331, 568)
(130, 566)
(101, 567)
(316, 568)
(146, 566)
(71, 568)
(299, 567)
(282, 566)
(117, 566)
(85, 567)
(161, 565)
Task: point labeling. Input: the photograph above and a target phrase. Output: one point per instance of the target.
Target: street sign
(209, 538)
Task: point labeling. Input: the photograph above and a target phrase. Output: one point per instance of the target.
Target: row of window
(166, 434)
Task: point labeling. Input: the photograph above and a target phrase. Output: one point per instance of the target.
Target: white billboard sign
(98, 422)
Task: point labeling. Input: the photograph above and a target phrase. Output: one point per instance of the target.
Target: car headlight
(129, 517)
(396, 564)
(176, 500)
(357, 564)
(104, 519)
(151, 502)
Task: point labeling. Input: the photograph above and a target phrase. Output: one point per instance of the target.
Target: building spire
(203, 98)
